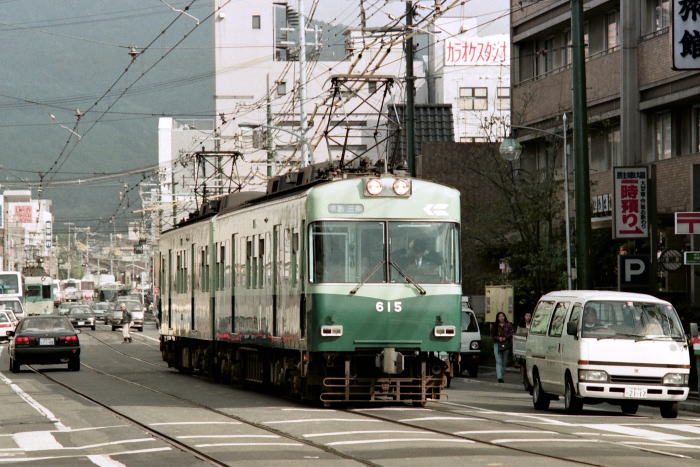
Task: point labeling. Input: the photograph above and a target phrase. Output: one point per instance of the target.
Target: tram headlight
(374, 186)
(402, 187)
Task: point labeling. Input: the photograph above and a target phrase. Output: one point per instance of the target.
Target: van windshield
(469, 322)
(630, 320)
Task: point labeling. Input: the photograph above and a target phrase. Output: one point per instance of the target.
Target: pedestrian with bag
(126, 323)
(502, 334)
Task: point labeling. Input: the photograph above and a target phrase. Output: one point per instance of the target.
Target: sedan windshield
(45, 324)
(356, 252)
(630, 320)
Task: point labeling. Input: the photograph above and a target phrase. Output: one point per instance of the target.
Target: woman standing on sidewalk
(502, 334)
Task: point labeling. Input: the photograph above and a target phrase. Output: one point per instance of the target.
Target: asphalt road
(125, 407)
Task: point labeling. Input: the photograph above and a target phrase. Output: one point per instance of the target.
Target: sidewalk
(692, 404)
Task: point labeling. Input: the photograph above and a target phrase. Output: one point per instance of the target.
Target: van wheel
(540, 399)
(669, 409)
(629, 407)
(572, 403)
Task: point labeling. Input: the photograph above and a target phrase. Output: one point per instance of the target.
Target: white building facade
(470, 68)
(28, 230)
(256, 55)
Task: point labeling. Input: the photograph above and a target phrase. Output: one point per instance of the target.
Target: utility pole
(302, 86)
(582, 186)
(410, 90)
(270, 143)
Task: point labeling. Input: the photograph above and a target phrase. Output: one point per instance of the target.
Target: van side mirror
(694, 330)
(571, 328)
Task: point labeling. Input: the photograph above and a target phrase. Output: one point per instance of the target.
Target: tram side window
(249, 263)
(46, 292)
(261, 263)
(204, 269)
(294, 267)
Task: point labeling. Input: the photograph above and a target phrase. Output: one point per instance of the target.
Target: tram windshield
(356, 252)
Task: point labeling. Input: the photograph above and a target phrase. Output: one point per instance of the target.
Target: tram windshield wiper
(408, 279)
(367, 277)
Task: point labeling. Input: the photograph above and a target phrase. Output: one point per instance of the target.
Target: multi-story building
(178, 140)
(640, 112)
(257, 55)
(469, 68)
(28, 229)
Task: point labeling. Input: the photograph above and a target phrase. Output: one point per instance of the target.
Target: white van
(616, 347)
(470, 351)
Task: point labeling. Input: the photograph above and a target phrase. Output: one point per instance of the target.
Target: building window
(662, 135)
(613, 36)
(473, 139)
(256, 21)
(696, 116)
(659, 14)
(567, 53)
(473, 98)
(371, 87)
(281, 88)
(545, 56)
(612, 147)
(503, 98)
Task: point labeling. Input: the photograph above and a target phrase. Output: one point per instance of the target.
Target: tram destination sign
(691, 258)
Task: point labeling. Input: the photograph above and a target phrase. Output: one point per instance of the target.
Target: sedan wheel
(14, 365)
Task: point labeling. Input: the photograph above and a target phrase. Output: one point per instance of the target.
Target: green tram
(344, 289)
(39, 295)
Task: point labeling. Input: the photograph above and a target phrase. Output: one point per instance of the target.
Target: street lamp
(511, 149)
(53, 117)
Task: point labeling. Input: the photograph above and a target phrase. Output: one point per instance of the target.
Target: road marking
(104, 461)
(308, 420)
(214, 445)
(74, 456)
(36, 441)
(638, 432)
(399, 440)
(686, 428)
(111, 443)
(427, 419)
(227, 436)
(194, 423)
(484, 432)
(543, 440)
(362, 432)
(31, 401)
(147, 337)
(393, 409)
(306, 410)
(543, 420)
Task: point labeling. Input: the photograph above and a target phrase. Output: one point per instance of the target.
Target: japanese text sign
(631, 202)
(687, 223)
(476, 51)
(686, 34)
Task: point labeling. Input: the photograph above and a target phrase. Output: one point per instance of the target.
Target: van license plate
(635, 392)
(46, 341)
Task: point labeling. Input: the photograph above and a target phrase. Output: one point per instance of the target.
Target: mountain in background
(64, 55)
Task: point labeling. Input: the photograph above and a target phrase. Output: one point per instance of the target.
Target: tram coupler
(390, 361)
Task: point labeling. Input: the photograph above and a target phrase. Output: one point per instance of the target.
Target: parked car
(14, 304)
(115, 319)
(7, 324)
(595, 346)
(470, 342)
(81, 317)
(46, 339)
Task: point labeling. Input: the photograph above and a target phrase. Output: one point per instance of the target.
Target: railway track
(440, 408)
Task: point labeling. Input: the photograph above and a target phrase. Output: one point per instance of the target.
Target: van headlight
(597, 376)
(676, 379)
(474, 345)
